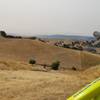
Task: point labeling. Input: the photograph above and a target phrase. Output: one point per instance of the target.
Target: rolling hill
(22, 50)
(67, 37)
(22, 81)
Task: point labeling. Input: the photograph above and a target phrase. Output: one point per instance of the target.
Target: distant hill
(70, 37)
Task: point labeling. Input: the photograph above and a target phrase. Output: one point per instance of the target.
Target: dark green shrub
(11, 36)
(33, 38)
(66, 46)
(3, 33)
(32, 61)
(74, 68)
(55, 65)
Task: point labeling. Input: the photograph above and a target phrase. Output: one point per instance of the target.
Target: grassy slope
(89, 59)
(34, 85)
(93, 72)
(23, 49)
(22, 85)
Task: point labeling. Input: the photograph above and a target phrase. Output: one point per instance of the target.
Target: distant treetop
(3, 33)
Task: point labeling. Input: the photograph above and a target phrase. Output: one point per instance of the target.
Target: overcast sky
(50, 16)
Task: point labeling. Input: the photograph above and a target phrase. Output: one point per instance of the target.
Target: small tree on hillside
(55, 65)
(32, 61)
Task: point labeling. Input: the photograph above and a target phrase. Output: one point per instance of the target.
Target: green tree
(32, 61)
(3, 33)
(55, 65)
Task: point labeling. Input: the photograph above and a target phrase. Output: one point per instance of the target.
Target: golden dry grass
(21, 81)
(14, 65)
(92, 72)
(23, 49)
(33, 85)
(89, 59)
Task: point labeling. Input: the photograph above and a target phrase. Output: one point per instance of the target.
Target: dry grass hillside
(22, 81)
(93, 72)
(89, 59)
(23, 49)
(35, 85)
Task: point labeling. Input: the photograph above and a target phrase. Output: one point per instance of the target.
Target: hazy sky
(50, 16)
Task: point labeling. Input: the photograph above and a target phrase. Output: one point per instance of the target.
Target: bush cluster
(33, 38)
(55, 65)
(32, 61)
(3, 33)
